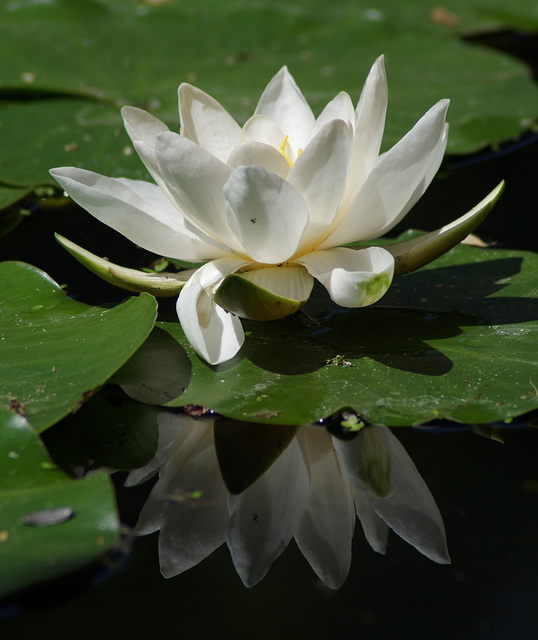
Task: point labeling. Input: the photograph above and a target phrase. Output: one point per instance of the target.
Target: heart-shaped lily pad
(54, 351)
(442, 343)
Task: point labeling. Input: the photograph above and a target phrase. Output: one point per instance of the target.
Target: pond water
(487, 493)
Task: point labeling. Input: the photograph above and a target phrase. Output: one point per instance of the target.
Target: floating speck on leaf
(28, 77)
(47, 517)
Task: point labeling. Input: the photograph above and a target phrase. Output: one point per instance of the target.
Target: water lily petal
(196, 513)
(195, 179)
(265, 516)
(367, 460)
(289, 282)
(214, 334)
(206, 122)
(353, 278)
(266, 214)
(435, 163)
(283, 102)
(260, 128)
(137, 210)
(379, 204)
(143, 129)
(250, 153)
(326, 530)
(320, 176)
(339, 108)
(369, 126)
(172, 426)
(376, 530)
(411, 510)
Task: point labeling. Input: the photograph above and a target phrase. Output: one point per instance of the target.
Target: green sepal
(158, 284)
(248, 300)
(410, 255)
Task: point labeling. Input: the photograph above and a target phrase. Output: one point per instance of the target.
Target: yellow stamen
(282, 149)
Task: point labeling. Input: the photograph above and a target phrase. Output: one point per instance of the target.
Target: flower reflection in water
(312, 492)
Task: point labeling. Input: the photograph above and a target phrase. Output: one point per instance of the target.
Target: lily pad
(55, 352)
(442, 343)
(50, 524)
(62, 95)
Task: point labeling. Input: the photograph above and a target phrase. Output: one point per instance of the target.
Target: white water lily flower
(312, 492)
(270, 202)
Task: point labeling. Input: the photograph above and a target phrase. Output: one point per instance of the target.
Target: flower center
(282, 150)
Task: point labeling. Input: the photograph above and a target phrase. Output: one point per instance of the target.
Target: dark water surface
(487, 493)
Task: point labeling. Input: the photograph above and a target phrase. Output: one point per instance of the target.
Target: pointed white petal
(141, 126)
(369, 127)
(193, 527)
(320, 176)
(195, 179)
(353, 278)
(250, 153)
(326, 530)
(376, 531)
(383, 198)
(435, 163)
(137, 210)
(283, 102)
(264, 518)
(143, 129)
(206, 122)
(339, 108)
(411, 510)
(265, 213)
(214, 334)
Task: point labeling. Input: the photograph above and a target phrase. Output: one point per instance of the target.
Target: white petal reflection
(310, 493)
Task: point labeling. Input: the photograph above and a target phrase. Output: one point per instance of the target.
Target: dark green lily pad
(55, 351)
(62, 95)
(457, 340)
(50, 524)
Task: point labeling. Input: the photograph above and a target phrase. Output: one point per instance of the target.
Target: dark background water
(488, 495)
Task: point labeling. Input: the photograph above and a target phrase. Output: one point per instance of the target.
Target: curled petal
(206, 122)
(283, 102)
(265, 213)
(352, 278)
(265, 294)
(214, 334)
